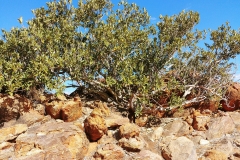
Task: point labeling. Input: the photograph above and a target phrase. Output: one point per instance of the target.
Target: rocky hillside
(72, 128)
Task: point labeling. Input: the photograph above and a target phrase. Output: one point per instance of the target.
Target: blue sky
(213, 13)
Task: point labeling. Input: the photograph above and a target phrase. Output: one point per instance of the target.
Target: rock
(237, 142)
(182, 113)
(115, 120)
(101, 109)
(147, 155)
(30, 118)
(157, 133)
(40, 108)
(13, 106)
(68, 111)
(6, 150)
(95, 127)
(233, 101)
(177, 127)
(200, 122)
(211, 105)
(71, 110)
(54, 109)
(52, 140)
(107, 139)
(180, 148)
(215, 155)
(129, 130)
(224, 146)
(110, 152)
(236, 119)
(10, 133)
(132, 144)
(142, 120)
(219, 126)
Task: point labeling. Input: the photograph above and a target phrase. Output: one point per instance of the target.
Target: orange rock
(68, 111)
(95, 127)
(129, 130)
(54, 108)
(71, 110)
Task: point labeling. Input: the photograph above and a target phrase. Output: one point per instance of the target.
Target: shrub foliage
(134, 57)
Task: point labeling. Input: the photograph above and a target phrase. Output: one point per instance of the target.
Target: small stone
(203, 142)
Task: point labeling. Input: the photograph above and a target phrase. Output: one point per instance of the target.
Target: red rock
(13, 106)
(233, 101)
(212, 105)
(200, 122)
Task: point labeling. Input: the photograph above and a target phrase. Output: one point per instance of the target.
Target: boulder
(157, 133)
(177, 127)
(11, 107)
(72, 110)
(129, 130)
(180, 148)
(200, 122)
(110, 152)
(101, 109)
(115, 120)
(52, 140)
(132, 144)
(95, 127)
(233, 98)
(217, 127)
(225, 146)
(69, 110)
(6, 150)
(54, 109)
(211, 105)
(10, 133)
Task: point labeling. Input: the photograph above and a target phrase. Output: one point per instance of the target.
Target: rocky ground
(60, 128)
